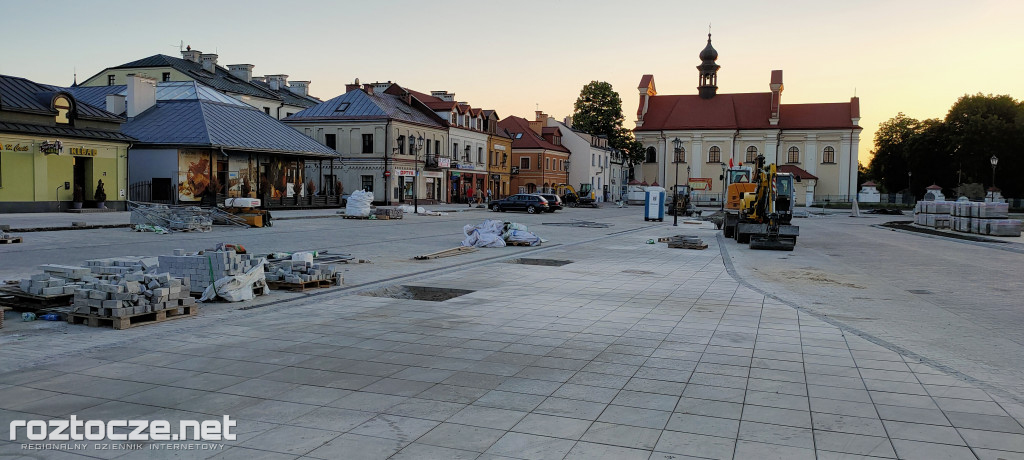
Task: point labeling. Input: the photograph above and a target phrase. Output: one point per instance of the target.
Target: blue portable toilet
(654, 204)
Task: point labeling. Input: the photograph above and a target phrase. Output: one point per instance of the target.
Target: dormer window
(62, 105)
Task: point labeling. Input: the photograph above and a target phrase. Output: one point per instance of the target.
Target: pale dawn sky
(917, 57)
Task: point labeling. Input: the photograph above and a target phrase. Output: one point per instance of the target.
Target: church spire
(708, 82)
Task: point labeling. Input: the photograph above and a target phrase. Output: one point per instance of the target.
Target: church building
(817, 142)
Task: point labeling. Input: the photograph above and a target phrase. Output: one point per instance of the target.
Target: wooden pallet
(688, 245)
(11, 240)
(299, 287)
(142, 319)
(356, 217)
(517, 243)
(13, 296)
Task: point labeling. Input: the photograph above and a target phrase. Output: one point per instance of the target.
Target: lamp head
(994, 160)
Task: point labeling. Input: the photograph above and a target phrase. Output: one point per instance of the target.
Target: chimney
(352, 86)
(541, 117)
(141, 94)
(568, 121)
(115, 103)
(299, 87)
(241, 71)
(443, 95)
(277, 82)
(776, 87)
(191, 55)
(368, 88)
(855, 110)
(209, 62)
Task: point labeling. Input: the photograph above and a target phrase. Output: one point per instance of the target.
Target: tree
(890, 162)
(598, 111)
(981, 126)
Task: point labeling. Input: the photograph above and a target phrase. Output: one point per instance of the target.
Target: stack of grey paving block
(132, 294)
(121, 265)
(197, 267)
(984, 219)
(300, 271)
(187, 218)
(934, 214)
(56, 280)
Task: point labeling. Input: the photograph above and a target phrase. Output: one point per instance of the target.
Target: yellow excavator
(760, 208)
(572, 199)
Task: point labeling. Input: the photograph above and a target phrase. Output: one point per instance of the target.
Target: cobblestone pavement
(630, 351)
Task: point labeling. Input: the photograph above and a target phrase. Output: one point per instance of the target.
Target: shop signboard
(406, 173)
(51, 148)
(700, 183)
(444, 162)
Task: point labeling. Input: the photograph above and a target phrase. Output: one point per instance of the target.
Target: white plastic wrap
(522, 236)
(484, 235)
(359, 204)
(237, 288)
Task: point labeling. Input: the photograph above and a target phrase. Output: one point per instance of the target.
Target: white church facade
(817, 142)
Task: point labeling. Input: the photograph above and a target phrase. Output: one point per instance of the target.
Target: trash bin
(654, 205)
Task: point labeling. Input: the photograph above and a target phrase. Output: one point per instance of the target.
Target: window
(266, 110)
(367, 183)
(437, 147)
(793, 156)
(455, 151)
(561, 165)
(401, 145)
(367, 143)
(331, 140)
(829, 155)
(751, 154)
(652, 155)
(714, 154)
(593, 160)
(166, 76)
(524, 163)
(480, 155)
(681, 156)
(110, 80)
(466, 155)
(63, 106)
(547, 163)
(428, 146)
(451, 119)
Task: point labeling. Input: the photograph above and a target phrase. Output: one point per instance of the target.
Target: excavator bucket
(772, 243)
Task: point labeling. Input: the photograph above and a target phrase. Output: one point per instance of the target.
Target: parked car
(520, 202)
(554, 202)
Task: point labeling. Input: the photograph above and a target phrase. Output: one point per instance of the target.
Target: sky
(915, 57)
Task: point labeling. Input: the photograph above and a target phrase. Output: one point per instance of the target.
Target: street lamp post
(678, 144)
(910, 193)
(994, 161)
(416, 167)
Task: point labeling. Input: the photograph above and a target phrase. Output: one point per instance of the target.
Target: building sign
(444, 162)
(515, 170)
(406, 173)
(434, 174)
(82, 152)
(495, 177)
(499, 147)
(700, 183)
(465, 166)
(51, 148)
(16, 147)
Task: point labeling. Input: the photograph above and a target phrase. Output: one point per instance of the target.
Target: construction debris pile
(157, 217)
(204, 268)
(132, 294)
(967, 216)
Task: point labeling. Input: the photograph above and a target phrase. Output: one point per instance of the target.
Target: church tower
(708, 71)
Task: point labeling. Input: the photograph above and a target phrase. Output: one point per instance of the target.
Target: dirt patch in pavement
(806, 274)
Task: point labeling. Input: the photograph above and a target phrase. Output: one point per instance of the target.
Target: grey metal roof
(357, 105)
(21, 95)
(221, 79)
(289, 97)
(165, 91)
(205, 123)
(62, 131)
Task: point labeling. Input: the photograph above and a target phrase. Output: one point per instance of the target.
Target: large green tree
(598, 111)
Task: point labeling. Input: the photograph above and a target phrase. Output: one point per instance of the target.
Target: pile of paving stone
(121, 265)
(132, 294)
(301, 271)
(203, 269)
(181, 218)
(968, 216)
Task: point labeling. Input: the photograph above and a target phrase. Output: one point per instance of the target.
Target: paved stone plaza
(630, 351)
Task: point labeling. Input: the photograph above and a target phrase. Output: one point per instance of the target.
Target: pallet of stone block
(33, 301)
(302, 286)
(7, 239)
(129, 321)
(388, 213)
(346, 216)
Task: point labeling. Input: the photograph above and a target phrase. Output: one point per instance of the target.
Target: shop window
(367, 183)
(714, 154)
(793, 156)
(524, 163)
(751, 154)
(367, 143)
(331, 140)
(652, 155)
(829, 155)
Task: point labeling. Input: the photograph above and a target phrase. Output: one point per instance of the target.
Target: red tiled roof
(645, 81)
(933, 187)
(741, 111)
(797, 171)
(776, 77)
(529, 139)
